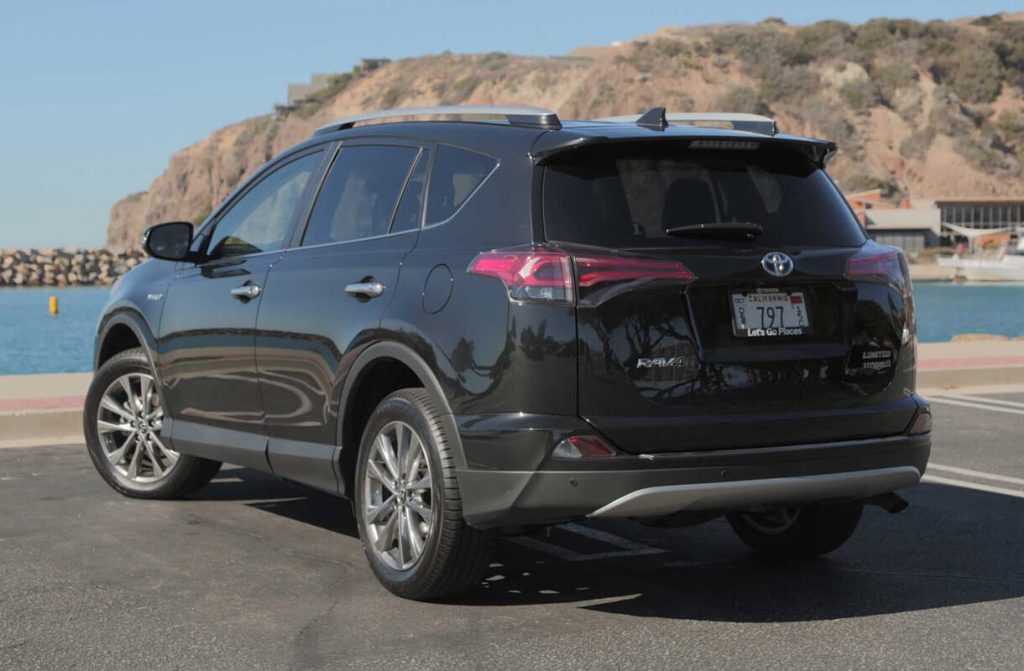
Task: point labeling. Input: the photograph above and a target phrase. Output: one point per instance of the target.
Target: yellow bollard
(54, 307)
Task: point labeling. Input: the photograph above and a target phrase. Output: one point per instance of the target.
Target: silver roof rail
(754, 123)
(516, 115)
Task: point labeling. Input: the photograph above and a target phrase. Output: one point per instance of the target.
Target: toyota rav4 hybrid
(503, 321)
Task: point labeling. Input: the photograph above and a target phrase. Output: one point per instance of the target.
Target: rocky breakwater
(64, 267)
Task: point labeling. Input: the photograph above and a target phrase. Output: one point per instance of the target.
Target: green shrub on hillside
(865, 182)
(663, 53)
(986, 21)
(860, 94)
(1009, 46)
(979, 152)
(495, 60)
(779, 81)
(892, 76)
(917, 144)
(973, 70)
(741, 99)
(1011, 127)
(880, 34)
(826, 39)
(335, 85)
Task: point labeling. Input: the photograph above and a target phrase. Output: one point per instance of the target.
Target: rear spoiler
(553, 145)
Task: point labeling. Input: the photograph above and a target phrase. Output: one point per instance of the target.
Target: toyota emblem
(777, 263)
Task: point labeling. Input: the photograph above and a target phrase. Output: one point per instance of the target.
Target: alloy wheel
(129, 421)
(396, 506)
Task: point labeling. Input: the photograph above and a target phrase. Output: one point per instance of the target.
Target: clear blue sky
(96, 96)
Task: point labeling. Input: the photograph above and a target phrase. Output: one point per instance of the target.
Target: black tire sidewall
(398, 407)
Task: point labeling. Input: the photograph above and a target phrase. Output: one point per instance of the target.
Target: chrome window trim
(347, 242)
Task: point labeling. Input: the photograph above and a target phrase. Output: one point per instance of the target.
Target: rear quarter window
(628, 197)
(456, 175)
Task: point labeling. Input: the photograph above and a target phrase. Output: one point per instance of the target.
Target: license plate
(769, 313)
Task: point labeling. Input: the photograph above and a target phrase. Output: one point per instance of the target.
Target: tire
(801, 533)
(452, 556)
(145, 468)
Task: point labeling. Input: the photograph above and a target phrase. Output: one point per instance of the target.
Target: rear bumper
(668, 499)
(723, 480)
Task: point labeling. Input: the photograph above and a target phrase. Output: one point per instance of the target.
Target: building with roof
(983, 214)
(911, 229)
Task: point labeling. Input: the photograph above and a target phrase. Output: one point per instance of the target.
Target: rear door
(207, 355)
(326, 296)
(774, 342)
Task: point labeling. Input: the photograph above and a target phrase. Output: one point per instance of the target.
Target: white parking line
(984, 399)
(967, 404)
(977, 474)
(939, 480)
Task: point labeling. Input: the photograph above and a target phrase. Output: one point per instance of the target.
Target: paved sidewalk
(38, 407)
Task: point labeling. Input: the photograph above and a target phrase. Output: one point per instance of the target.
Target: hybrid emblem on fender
(778, 264)
(662, 362)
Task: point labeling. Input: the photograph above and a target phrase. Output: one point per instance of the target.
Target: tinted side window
(409, 210)
(457, 174)
(261, 220)
(359, 195)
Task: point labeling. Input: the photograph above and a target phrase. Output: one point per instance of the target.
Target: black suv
(489, 324)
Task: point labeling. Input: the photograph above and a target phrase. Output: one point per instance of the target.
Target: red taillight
(594, 270)
(884, 265)
(535, 274)
(887, 265)
(546, 275)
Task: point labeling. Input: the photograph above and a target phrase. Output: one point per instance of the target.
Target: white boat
(1007, 266)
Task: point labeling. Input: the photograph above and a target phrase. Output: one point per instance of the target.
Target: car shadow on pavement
(952, 547)
(271, 494)
(924, 559)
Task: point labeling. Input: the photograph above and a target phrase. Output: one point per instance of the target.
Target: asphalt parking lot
(255, 573)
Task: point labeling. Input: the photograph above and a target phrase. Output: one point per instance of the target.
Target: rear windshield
(628, 196)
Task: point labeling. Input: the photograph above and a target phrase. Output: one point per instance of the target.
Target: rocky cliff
(919, 109)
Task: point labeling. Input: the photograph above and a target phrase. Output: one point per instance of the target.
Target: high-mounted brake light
(538, 275)
(884, 265)
(742, 145)
(547, 275)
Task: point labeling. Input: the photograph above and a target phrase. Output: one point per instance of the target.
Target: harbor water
(34, 341)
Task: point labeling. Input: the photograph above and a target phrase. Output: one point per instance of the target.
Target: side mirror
(171, 241)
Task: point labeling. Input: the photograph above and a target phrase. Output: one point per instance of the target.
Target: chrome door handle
(246, 292)
(370, 289)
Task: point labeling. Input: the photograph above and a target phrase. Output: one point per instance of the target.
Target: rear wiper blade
(742, 230)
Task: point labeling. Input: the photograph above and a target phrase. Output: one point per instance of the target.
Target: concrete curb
(41, 427)
(950, 378)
